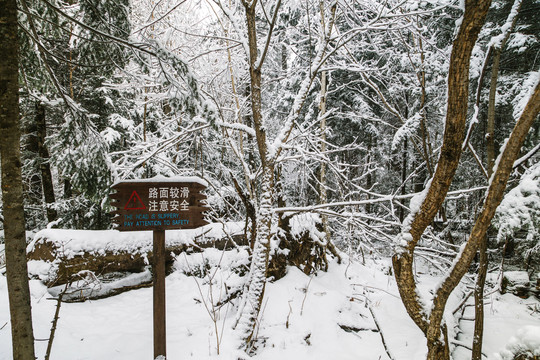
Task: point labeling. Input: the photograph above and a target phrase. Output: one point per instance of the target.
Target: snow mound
(526, 344)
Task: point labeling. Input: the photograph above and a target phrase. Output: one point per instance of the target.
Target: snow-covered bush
(520, 211)
(524, 346)
(231, 265)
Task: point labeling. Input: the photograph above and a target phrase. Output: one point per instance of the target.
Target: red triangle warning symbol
(134, 202)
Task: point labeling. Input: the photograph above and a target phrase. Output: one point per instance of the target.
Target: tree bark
(404, 155)
(369, 176)
(32, 183)
(12, 189)
(493, 199)
(255, 75)
(45, 166)
(454, 134)
(479, 300)
(323, 195)
(426, 146)
(252, 298)
(490, 151)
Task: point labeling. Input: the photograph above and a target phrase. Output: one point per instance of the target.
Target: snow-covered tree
(519, 212)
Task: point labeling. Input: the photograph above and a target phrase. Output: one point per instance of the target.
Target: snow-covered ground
(342, 314)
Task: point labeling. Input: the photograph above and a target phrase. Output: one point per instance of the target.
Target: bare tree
(434, 195)
(429, 318)
(268, 154)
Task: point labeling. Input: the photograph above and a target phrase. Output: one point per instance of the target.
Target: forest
(371, 176)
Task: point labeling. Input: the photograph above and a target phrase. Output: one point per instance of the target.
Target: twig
(213, 309)
(288, 315)
(463, 345)
(380, 333)
(305, 295)
(376, 288)
(258, 326)
(3, 326)
(55, 322)
(463, 302)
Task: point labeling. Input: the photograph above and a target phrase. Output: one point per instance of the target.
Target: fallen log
(519, 284)
(55, 256)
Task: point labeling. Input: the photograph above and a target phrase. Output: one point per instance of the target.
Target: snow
(305, 222)
(527, 340)
(517, 277)
(73, 242)
(519, 208)
(120, 121)
(88, 286)
(330, 315)
(42, 270)
(528, 88)
(406, 130)
(520, 42)
(506, 317)
(316, 309)
(161, 178)
(235, 126)
(497, 41)
(120, 327)
(413, 6)
(110, 136)
(2, 254)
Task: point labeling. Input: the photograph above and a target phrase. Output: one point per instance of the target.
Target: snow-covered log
(519, 284)
(56, 255)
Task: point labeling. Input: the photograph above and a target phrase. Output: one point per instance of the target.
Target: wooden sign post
(159, 204)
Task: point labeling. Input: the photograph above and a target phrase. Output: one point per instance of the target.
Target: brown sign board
(159, 204)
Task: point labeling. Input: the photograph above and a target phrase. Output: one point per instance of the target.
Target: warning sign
(134, 202)
(159, 205)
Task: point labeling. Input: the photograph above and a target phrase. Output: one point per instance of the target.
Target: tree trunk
(29, 144)
(492, 200)
(12, 189)
(438, 349)
(490, 151)
(479, 300)
(417, 222)
(252, 298)
(68, 192)
(369, 176)
(403, 177)
(426, 146)
(490, 127)
(255, 75)
(45, 166)
(323, 196)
